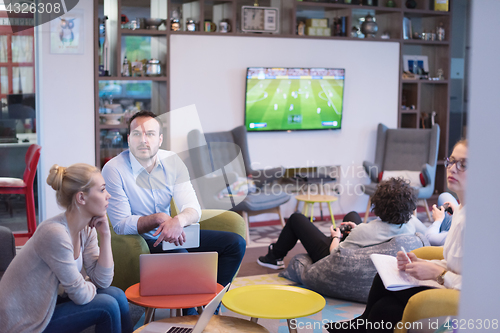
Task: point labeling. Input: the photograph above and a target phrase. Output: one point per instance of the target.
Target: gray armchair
(221, 158)
(405, 149)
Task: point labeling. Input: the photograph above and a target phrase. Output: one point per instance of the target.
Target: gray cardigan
(29, 288)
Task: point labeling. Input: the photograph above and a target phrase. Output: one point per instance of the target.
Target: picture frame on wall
(420, 61)
(407, 33)
(67, 34)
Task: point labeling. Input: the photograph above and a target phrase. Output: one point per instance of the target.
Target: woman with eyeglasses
(446, 205)
(388, 306)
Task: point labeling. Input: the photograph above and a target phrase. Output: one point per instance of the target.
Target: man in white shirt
(143, 180)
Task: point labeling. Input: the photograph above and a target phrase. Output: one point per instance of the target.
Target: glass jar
(191, 25)
(113, 139)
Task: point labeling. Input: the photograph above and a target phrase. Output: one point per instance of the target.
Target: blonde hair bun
(69, 181)
(55, 177)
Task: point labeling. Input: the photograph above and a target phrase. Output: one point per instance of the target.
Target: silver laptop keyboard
(179, 330)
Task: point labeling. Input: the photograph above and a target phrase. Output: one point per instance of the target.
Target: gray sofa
(7, 248)
(346, 273)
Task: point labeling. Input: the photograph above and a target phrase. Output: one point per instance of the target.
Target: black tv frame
(291, 130)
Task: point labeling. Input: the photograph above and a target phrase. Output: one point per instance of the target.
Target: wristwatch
(440, 278)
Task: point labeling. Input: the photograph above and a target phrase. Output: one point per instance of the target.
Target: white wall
(209, 71)
(480, 298)
(65, 92)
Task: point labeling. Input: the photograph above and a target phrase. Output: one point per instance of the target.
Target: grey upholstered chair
(219, 159)
(7, 248)
(405, 149)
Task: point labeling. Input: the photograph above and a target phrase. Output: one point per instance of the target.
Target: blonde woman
(43, 289)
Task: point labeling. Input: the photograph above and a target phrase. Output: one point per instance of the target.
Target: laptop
(192, 232)
(8, 131)
(178, 273)
(203, 320)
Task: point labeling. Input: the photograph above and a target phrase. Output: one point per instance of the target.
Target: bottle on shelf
(440, 31)
(105, 49)
(126, 67)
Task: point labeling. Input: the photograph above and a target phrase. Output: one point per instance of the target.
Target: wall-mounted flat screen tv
(287, 99)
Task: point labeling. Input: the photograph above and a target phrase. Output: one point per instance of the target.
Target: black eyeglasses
(461, 164)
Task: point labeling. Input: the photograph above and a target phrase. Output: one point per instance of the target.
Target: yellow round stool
(311, 199)
(274, 302)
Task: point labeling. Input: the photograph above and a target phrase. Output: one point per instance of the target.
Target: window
(17, 111)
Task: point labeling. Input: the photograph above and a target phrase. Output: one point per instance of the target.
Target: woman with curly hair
(394, 202)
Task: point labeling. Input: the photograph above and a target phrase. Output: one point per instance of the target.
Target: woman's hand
(424, 270)
(437, 213)
(335, 232)
(403, 261)
(452, 205)
(100, 223)
(337, 235)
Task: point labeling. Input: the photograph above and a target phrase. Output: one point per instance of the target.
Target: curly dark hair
(394, 201)
(145, 113)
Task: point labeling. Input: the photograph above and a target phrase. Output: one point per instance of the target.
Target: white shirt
(453, 251)
(135, 192)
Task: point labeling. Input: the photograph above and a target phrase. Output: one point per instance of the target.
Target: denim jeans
(108, 310)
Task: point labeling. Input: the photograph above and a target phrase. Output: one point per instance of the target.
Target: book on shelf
(395, 279)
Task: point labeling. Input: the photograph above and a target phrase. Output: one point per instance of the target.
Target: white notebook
(192, 232)
(395, 279)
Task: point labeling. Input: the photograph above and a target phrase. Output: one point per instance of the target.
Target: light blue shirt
(135, 192)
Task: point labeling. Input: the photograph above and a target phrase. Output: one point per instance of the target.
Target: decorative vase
(369, 27)
(411, 4)
(390, 3)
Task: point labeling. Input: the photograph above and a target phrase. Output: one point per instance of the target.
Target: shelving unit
(426, 95)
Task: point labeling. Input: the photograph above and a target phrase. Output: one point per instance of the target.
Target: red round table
(167, 302)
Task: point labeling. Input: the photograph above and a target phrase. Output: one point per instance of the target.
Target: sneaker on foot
(269, 260)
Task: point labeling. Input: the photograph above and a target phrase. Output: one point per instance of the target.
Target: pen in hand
(406, 255)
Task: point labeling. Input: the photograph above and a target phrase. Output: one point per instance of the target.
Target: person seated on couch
(393, 202)
(438, 230)
(43, 289)
(388, 306)
(142, 181)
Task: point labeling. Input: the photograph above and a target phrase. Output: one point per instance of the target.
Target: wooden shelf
(105, 127)
(407, 81)
(426, 42)
(423, 13)
(132, 78)
(328, 5)
(434, 81)
(423, 94)
(202, 33)
(143, 32)
(407, 111)
(348, 6)
(220, 1)
(376, 39)
(425, 81)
